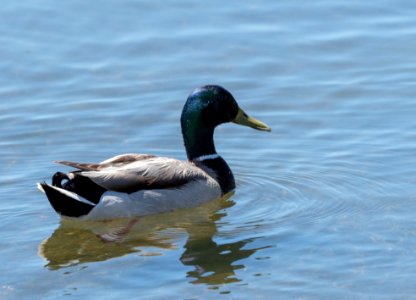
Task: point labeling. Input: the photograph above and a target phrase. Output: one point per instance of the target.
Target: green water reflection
(75, 242)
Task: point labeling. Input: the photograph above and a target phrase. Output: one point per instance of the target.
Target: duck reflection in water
(214, 263)
(75, 242)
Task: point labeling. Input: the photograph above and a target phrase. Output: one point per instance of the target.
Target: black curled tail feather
(70, 205)
(57, 179)
(79, 185)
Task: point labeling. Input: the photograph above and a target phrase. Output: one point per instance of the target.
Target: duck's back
(136, 184)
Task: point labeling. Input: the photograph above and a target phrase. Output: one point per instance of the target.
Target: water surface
(325, 203)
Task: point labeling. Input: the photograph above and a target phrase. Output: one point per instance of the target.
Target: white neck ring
(207, 157)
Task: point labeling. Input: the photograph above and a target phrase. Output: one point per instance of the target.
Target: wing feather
(116, 161)
(130, 173)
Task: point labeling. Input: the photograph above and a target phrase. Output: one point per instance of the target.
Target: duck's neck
(200, 149)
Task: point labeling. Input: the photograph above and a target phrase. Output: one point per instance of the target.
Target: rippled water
(325, 203)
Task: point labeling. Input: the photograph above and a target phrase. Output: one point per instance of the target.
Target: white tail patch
(69, 194)
(40, 187)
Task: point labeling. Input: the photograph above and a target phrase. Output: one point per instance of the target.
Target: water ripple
(270, 197)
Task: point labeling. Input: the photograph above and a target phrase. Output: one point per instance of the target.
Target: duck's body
(140, 184)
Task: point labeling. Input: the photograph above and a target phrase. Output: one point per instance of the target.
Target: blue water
(325, 204)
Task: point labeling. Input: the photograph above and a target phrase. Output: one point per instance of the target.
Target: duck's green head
(206, 108)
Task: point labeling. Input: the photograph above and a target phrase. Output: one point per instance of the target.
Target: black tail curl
(79, 185)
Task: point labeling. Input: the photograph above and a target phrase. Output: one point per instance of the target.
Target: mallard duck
(141, 184)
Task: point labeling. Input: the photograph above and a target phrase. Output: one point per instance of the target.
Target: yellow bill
(243, 119)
